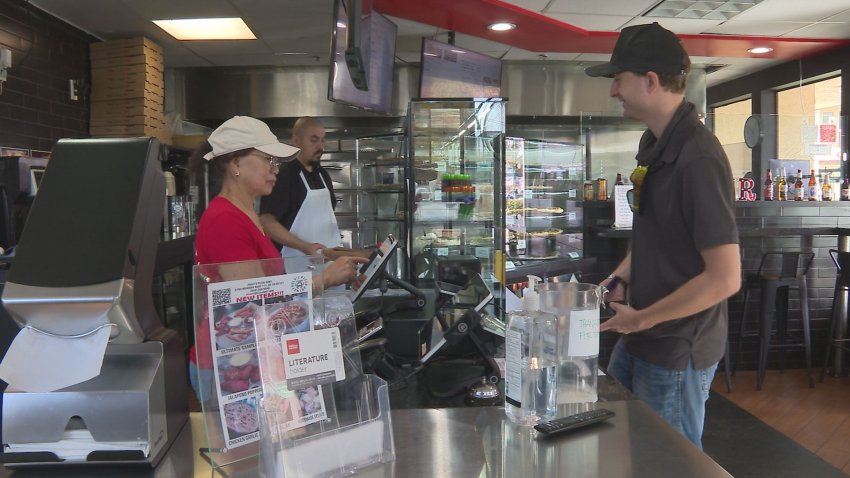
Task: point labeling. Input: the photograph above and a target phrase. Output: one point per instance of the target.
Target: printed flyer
(293, 396)
(234, 308)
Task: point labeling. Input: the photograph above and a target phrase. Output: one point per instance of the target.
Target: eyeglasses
(274, 162)
(633, 195)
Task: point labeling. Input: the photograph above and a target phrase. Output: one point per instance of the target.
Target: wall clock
(753, 132)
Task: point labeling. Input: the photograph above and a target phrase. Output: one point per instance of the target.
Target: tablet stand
(417, 301)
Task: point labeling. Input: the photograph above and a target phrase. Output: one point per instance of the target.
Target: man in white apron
(299, 213)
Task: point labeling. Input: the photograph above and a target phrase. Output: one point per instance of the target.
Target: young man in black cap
(684, 260)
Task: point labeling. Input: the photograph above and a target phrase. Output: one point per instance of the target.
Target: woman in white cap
(244, 154)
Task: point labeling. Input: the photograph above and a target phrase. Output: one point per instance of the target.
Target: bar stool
(842, 285)
(778, 273)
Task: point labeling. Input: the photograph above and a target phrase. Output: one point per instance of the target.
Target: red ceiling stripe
(539, 33)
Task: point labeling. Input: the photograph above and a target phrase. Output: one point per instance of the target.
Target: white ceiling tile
(822, 30)
(536, 6)
(794, 10)
(598, 7)
(608, 23)
(164, 9)
(682, 26)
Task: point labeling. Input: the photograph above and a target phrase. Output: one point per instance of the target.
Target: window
(729, 129)
(808, 129)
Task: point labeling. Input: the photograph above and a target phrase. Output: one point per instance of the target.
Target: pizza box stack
(127, 89)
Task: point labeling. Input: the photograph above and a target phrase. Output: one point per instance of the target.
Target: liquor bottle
(619, 180)
(782, 187)
(813, 187)
(798, 186)
(845, 189)
(768, 186)
(826, 189)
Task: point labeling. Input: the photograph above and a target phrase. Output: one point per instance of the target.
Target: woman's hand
(342, 271)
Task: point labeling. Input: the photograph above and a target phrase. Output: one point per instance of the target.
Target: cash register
(444, 320)
(84, 263)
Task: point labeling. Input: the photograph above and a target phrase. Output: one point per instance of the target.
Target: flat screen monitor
(377, 54)
(433, 337)
(375, 266)
(449, 71)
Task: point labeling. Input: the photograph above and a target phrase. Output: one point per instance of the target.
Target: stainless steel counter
(479, 442)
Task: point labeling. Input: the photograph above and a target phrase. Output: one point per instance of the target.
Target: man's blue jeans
(677, 395)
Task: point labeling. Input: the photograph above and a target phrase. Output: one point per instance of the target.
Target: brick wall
(35, 108)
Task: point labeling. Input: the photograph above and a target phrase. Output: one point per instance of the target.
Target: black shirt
(289, 192)
(686, 205)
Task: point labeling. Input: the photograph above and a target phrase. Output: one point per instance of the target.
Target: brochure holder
(359, 436)
(245, 314)
(326, 418)
(225, 341)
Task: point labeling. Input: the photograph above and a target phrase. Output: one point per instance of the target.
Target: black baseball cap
(644, 48)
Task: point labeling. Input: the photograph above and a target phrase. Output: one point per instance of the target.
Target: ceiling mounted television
(448, 71)
(362, 75)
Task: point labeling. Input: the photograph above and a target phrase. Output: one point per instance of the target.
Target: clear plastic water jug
(576, 307)
(531, 354)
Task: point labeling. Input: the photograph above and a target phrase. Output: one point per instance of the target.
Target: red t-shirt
(226, 234)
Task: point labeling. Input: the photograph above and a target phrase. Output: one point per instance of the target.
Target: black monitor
(375, 267)
(449, 71)
(361, 75)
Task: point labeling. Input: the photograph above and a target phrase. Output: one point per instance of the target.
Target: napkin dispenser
(85, 262)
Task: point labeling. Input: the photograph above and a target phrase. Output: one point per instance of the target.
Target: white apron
(315, 221)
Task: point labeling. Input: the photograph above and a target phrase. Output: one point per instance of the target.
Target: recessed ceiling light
(760, 50)
(501, 26)
(207, 29)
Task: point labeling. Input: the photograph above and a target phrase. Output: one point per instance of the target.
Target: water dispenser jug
(576, 307)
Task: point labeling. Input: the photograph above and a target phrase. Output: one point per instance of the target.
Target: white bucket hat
(243, 132)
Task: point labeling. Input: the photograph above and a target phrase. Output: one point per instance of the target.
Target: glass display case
(381, 194)
(543, 189)
(455, 163)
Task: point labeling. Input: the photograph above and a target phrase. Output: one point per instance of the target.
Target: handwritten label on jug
(584, 333)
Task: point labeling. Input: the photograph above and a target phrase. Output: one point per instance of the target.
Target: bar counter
(475, 442)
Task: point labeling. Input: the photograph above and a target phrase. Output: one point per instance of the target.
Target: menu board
(377, 46)
(449, 71)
